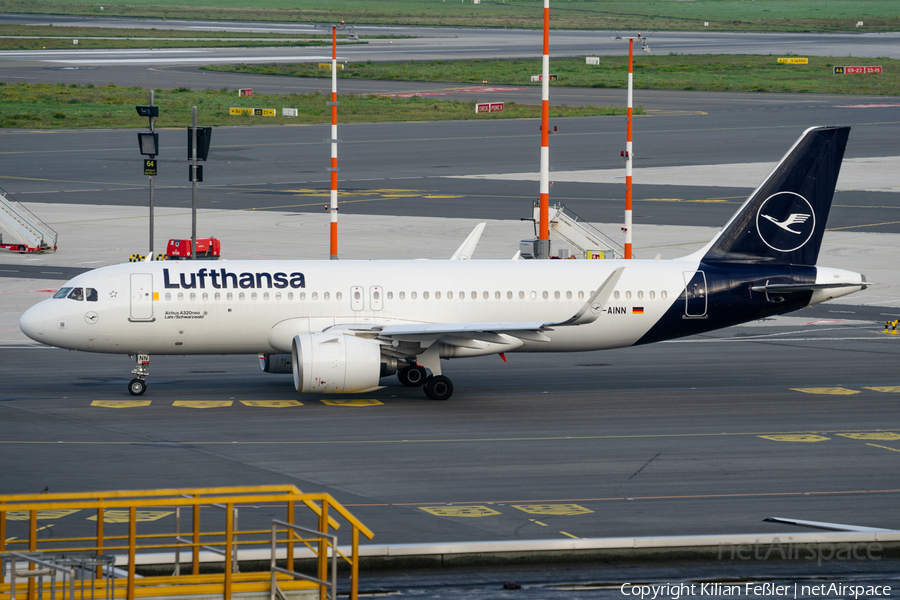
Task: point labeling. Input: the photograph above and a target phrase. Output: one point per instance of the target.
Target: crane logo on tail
(785, 221)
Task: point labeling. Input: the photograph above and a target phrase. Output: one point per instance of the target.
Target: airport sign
(150, 166)
(488, 107)
(793, 61)
(856, 70)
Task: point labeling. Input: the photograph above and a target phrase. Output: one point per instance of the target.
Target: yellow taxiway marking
(806, 437)
(574, 537)
(120, 403)
(460, 511)
(831, 391)
(885, 447)
(141, 516)
(536, 522)
(42, 515)
(885, 388)
(203, 403)
(11, 539)
(271, 403)
(883, 436)
(552, 509)
(353, 402)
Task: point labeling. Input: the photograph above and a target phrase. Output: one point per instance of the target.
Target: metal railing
(21, 514)
(319, 537)
(24, 225)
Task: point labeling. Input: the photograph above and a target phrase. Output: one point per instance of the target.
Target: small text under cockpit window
(62, 293)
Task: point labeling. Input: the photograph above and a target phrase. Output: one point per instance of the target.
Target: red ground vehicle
(207, 249)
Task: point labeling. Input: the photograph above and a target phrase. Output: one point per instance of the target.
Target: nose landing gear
(138, 386)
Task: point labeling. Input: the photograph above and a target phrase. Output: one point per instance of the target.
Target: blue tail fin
(784, 219)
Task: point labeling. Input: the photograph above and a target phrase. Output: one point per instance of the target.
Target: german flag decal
(637, 310)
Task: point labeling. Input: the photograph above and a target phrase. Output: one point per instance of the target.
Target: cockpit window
(62, 293)
(76, 294)
(91, 294)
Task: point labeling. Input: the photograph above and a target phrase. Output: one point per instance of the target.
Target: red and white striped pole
(334, 142)
(544, 235)
(628, 151)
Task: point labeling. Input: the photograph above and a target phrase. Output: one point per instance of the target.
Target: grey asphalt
(658, 440)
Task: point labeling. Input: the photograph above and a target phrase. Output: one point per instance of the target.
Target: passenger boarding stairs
(24, 225)
(579, 234)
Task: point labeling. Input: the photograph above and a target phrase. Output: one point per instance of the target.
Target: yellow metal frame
(195, 583)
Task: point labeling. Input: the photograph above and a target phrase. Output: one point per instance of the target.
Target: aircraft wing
(479, 335)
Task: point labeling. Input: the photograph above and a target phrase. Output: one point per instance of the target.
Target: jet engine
(334, 363)
(276, 363)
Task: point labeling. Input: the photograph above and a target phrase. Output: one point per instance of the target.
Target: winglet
(467, 249)
(591, 309)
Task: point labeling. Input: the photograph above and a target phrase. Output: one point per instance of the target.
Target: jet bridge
(578, 233)
(32, 234)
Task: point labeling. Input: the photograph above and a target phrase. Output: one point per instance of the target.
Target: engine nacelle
(276, 363)
(334, 363)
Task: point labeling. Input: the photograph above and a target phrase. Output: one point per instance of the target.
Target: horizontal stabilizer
(788, 288)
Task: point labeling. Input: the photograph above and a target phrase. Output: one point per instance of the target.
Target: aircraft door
(141, 297)
(376, 297)
(357, 302)
(695, 294)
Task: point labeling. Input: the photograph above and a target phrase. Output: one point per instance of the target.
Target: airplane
(342, 326)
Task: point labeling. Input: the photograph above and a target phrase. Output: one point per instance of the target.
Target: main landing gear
(437, 387)
(138, 386)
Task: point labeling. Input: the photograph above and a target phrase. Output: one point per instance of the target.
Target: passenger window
(474, 295)
(181, 295)
(616, 294)
(338, 295)
(230, 296)
(533, 295)
(253, 296)
(581, 295)
(390, 296)
(462, 295)
(168, 296)
(496, 295)
(290, 296)
(628, 295)
(218, 296)
(437, 295)
(205, 296)
(278, 295)
(193, 296)
(326, 296)
(546, 295)
(521, 295)
(240, 296)
(425, 295)
(412, 295)
(486, 295)
(402, 295)
(509, 295)
(652, 295)
(303, 295)
(76, 294)
(449, 295)
(92, 295)
(62, 293)
(556, 295)
(663, 294)
(640, 295)
(315, 295)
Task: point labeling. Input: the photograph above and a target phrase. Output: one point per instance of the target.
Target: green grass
(94, 44)
(60, 106)
(738, 15)
(682, 72)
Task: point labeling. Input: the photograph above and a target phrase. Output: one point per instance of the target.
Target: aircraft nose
(32, 323)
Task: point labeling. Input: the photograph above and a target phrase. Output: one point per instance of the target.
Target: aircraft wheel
(411, 376)
(438, 388)
(137, 387)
